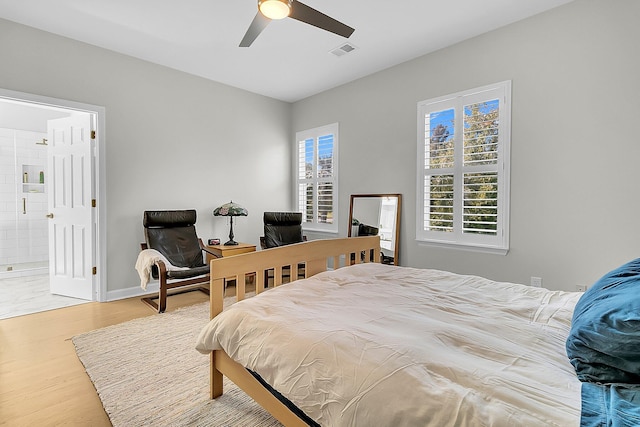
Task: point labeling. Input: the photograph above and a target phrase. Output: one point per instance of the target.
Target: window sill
(320, 231)
(465, 247)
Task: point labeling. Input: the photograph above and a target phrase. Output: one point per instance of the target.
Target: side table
(221, 251)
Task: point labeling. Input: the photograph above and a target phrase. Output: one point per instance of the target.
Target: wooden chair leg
(161, 306)
(150, 301)
(162, 300)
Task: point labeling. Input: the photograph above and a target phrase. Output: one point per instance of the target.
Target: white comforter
(377, 345)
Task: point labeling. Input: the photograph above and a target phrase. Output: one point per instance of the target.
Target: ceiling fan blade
(258, 24)
(306, 14)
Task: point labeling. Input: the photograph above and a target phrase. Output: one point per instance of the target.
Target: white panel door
(71, 231)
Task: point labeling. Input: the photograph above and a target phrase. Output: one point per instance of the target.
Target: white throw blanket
(146, 259)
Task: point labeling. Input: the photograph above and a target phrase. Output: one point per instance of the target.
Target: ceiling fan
(279, 9)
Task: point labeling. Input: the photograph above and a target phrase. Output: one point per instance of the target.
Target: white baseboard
(134, 291)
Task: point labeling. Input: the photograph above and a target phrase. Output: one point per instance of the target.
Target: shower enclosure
(24, 240)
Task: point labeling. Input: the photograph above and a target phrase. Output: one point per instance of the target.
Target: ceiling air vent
(343, 49)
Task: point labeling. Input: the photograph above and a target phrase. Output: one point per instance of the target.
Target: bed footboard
(315, 256)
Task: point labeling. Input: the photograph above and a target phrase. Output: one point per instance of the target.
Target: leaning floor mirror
(377, 215)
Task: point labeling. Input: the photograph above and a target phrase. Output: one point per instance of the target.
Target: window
(463, 169)
(316, 177)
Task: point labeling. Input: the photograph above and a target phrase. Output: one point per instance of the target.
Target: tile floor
(30, 294)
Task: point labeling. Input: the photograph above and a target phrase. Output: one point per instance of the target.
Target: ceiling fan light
(275, 9)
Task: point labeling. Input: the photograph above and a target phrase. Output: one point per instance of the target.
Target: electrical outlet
(536, 282)
(581, 288)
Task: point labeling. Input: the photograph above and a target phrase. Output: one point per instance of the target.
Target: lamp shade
(230, 209)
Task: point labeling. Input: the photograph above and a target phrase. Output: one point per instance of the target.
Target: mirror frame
(397, 218)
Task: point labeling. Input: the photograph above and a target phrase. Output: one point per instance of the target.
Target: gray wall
(179, 141)
(574, 170)
(173, 140)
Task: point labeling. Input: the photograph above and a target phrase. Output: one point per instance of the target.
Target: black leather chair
(365, 230)
(280, 229)
(173, 234)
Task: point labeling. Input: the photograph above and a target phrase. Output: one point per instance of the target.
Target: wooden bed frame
(316, 256)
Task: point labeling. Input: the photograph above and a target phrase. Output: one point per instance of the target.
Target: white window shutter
(463, 174)
(316, 180)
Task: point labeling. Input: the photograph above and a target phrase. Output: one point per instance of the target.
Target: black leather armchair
(366, 230)
(173, 234)
(280, 229)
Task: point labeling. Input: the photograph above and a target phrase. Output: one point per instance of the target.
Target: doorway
(27, 244)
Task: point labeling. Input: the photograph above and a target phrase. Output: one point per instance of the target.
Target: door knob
(50, 215)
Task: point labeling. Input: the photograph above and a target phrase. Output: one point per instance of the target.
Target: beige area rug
(148, 372)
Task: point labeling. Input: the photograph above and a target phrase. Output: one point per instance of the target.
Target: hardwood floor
(42, 382)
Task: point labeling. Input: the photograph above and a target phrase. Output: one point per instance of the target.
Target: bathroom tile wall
(23, 198)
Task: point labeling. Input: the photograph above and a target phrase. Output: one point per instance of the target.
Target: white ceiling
(290, 60)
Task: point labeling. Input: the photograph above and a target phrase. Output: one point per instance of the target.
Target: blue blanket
(613, 405)
(604, 348)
